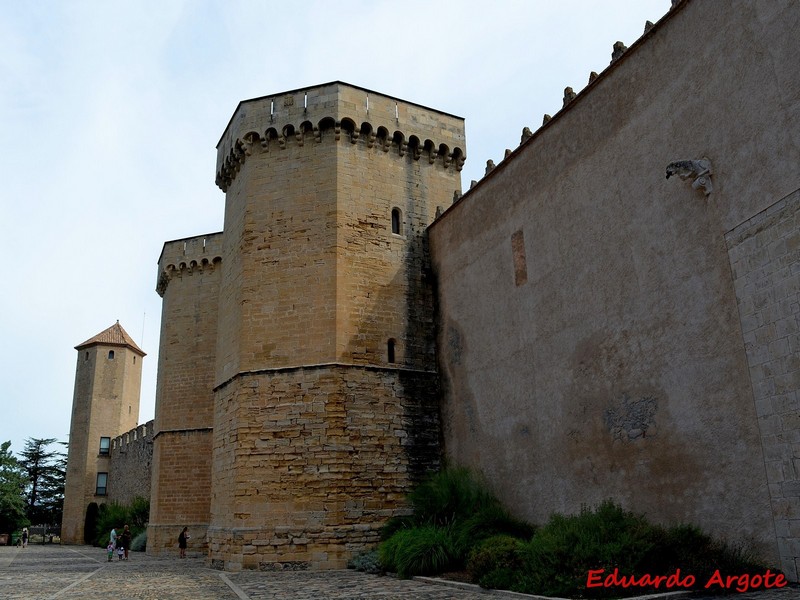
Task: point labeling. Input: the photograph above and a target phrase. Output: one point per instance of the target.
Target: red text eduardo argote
(741, 583)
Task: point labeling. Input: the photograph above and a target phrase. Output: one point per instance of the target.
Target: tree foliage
(12, 491)
(114, 515)
(45, 469)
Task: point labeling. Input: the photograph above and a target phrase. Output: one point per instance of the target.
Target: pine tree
(46, 470)
(12, 492)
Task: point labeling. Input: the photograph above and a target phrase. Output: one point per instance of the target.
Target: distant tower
(105, 404)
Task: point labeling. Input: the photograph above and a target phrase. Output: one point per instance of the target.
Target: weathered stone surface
(627, 365)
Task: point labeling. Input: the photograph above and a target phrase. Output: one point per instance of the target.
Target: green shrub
(488, 522)
(455, 517)
(688, 548)
(449, 496)
(366, 562)
(387, 551)
(496, 562)
(139, 543)
(559, 556)
(422, 550)
(557, 560)
(396, 524)
(453, 511)
(113, 515)
(138, 515)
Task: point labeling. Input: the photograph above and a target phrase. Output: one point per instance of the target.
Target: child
(120, 552)
(110, 550)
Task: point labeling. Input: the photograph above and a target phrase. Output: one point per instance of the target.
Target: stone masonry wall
(131, 463)
(316, 460)
(325, 320)
(765, 258)
(591, 344)
(184, 497)
(188, 281)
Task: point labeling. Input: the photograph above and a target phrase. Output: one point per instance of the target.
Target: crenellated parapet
(141, 433)
(339, 113)
(187, 256)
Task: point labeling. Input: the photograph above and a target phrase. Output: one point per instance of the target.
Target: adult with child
(125, 540)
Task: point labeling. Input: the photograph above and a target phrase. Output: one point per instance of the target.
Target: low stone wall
(131, 462)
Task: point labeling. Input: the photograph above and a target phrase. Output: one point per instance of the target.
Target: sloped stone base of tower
(310, 462)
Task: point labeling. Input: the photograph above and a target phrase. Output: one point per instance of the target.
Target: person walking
(125, 539)
(113, 538)
(183, 539)
(24, 537)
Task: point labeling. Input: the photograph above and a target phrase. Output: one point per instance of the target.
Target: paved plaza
(83, 572)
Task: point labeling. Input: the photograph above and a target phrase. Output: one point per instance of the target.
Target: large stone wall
(590, 342)
(131, 464)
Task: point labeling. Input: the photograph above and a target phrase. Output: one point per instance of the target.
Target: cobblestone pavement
(83, 572)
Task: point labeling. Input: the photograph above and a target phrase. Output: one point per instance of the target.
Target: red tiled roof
(113, 336)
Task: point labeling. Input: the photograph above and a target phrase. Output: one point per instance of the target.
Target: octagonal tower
(325, 394)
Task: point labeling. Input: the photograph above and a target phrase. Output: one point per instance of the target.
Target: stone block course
(772, 352)
(348, 469)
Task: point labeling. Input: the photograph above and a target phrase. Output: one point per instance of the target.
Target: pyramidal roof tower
(105, 404)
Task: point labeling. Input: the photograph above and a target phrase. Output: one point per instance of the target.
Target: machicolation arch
(329, 128)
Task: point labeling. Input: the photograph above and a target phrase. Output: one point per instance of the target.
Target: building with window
(105, 404)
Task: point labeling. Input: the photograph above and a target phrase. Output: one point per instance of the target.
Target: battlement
(131, 464)
(185, 256)
(327, 111)
(139, 434)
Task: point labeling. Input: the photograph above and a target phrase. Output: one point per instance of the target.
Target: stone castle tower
(297, 394)
(105, 404)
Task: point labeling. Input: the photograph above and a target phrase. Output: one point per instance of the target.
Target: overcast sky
(110, 112)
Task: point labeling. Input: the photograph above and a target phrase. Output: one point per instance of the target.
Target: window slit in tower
(396, 221)
(390, 350)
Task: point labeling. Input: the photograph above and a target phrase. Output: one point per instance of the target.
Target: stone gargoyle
(699, 169)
